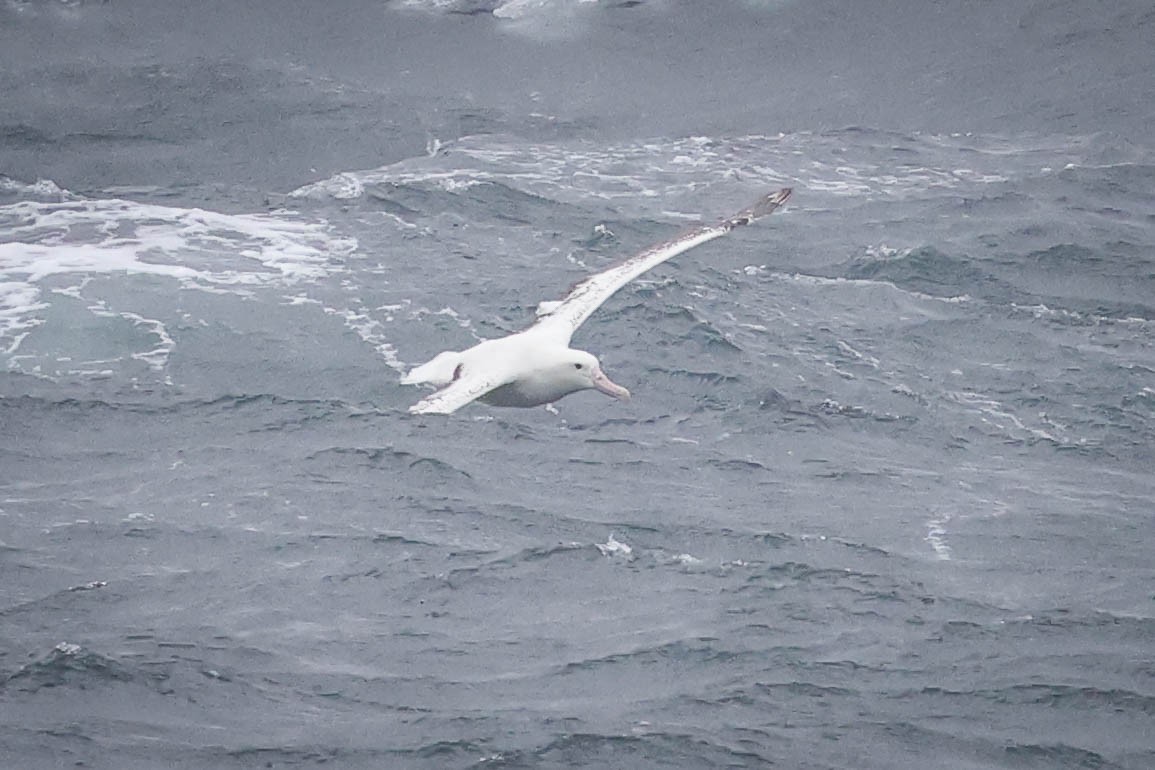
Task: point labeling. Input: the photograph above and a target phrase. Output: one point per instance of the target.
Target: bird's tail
(439, 371)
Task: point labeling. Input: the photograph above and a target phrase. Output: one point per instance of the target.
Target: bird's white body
(537, 366)
(524, 369)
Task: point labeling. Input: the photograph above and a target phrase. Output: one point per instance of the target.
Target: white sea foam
(192, 245)
(847, 350)
(370, 330)
(57, 247)
(157, 357)
(936, 535)
(43, 189)
(999, 416)
(520, 9)
(18, 302)
(818, 280)
(613, 546)
(341, 187)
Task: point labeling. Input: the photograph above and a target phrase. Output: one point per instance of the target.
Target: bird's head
(580, 370)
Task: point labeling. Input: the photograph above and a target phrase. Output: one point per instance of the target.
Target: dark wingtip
(765, 206)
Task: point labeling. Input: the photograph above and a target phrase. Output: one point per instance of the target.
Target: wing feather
(566, 316)
(466, 389)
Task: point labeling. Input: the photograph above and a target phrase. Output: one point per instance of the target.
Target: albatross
(537, 366)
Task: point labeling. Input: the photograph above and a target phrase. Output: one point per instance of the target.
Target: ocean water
(884, 496)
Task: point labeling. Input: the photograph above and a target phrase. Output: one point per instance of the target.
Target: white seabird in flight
(537, 366)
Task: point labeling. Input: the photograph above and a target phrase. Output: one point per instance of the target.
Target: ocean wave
(91, 264)
(680, 652)
(381, 457)
(805, 689)
(1058, 696)
(44, 190)
(51, 252)
(71, 665)
(198, 247)
(1056, 755)
(678, 171)
(927, 272)
(544, 20)
(835, 281)
(646, 745)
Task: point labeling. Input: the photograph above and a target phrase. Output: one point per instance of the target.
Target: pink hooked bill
(607, 386)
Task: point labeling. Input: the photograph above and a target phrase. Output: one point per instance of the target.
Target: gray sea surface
(884, 496)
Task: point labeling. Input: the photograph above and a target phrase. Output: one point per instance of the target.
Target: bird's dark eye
(577, 366)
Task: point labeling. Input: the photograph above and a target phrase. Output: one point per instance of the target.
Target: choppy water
(884, 496)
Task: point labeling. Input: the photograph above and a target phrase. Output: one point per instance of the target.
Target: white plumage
(537, 366)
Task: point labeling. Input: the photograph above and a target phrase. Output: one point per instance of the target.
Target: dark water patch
(1060, 622)
(113, 139)
(509, 205)
(474, 121)
(65, 745)
(706, 378)
(140, 402)
(617, 422)
(852, 671)
(55, 601)
(668, 324)
(70, 665)
(1068, 257)
(25, 404)
(445, 750)
(959, 745)
(1057, 696)
(687, 654)
(774, 539)
(1056, 755)
(791, 413)
(825, 469)
(657, 749)
(796, 572)
(389, 556)
(964, 630)
(254, 401)
(311, 754)
(640, 465)
(476, 202)
(928, 270)
(389, 458)
(861, 591)
(510, 565)
(1004, 203)
(611, 440)
(804, 689)
(738, 465)
(293, 415)
(535, 554)
(411, 201)
(399, 200)
(1075, 280)
(283, 757)
(397, 539)
(866, 549)
(1112, 182)
(19, 134)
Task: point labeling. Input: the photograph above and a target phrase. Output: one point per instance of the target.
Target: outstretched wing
(566, 316)
(465, 389)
